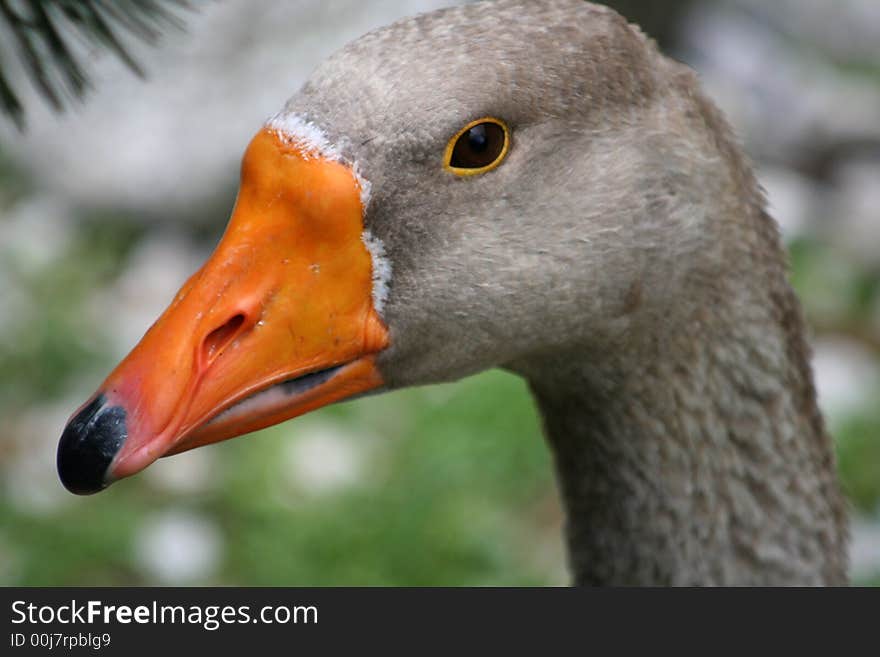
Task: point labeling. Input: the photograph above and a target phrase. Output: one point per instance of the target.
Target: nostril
(217, 340)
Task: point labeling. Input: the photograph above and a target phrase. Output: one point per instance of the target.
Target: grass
(462, 483)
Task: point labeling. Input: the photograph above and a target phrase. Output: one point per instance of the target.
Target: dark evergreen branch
(42, 31)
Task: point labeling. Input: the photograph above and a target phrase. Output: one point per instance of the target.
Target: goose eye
(478, 147)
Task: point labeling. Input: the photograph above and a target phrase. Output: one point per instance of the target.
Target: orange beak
(278, 322)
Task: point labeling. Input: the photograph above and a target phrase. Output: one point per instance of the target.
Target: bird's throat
(700, 460)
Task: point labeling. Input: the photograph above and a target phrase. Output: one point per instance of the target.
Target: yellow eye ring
(478, 147)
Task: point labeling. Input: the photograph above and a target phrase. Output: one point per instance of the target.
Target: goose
(528, 185)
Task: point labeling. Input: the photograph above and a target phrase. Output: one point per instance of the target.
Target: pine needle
(42, 33)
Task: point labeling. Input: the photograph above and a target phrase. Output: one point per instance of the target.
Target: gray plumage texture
(621, 260)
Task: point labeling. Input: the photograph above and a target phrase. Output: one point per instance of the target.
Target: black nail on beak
(88, 445)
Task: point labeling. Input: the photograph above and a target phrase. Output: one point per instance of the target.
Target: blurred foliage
(464, 484)
(45, 347)
(838, 297)
(858, 453)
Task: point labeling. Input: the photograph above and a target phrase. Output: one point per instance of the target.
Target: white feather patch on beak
(313, 141)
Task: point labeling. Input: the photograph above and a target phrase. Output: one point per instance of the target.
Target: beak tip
(88, 446)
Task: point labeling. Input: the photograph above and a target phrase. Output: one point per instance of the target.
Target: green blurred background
(105, 210)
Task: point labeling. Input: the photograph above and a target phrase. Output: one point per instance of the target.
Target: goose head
(489, 185)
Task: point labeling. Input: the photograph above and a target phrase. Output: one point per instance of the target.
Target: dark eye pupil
(478, 139)
(478, 147)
